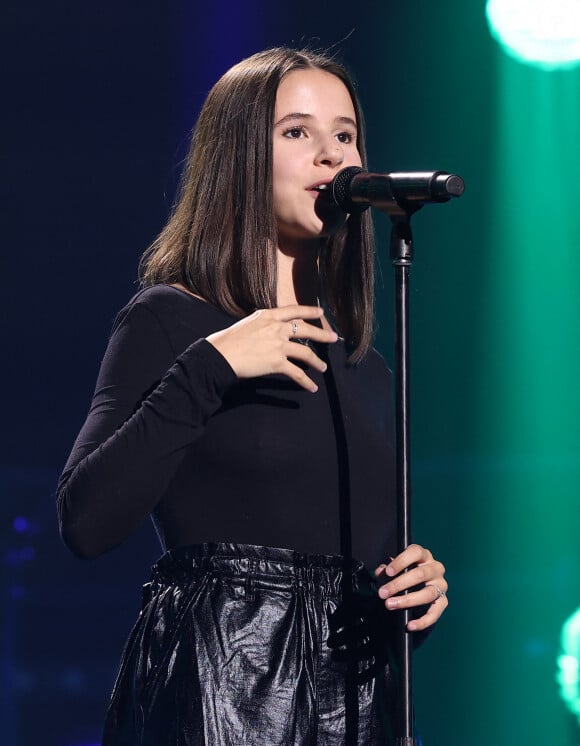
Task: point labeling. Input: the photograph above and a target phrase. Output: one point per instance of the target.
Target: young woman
(240, 403)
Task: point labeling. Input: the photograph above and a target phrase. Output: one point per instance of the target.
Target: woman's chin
(332, 219)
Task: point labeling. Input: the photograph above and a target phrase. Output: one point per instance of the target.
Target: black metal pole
(399, 195)
(402, 258)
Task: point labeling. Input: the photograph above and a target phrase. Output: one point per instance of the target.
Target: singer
(241, 405)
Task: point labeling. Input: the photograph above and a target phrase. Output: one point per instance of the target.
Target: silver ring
(294, 328)
(440, 593)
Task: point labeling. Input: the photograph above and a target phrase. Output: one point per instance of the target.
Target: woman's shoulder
(368, 379)
(378, 375)
(159, 298)
(170, 302)
(372, 365)
(378, 361)
(172, 311)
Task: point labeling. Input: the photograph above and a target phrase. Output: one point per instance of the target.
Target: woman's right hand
(261, 344)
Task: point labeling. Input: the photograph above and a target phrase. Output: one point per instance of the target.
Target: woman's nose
(330, 153)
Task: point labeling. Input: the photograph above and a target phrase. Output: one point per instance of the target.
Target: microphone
(354, 189)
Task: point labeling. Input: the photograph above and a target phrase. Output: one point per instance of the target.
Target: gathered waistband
(267, 566)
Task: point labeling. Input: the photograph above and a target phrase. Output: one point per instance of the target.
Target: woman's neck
(298, 275)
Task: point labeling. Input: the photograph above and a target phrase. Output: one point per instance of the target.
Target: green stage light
(569, 664)
(544, 33)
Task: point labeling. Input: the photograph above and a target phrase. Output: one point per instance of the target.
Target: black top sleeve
(173, 433)
(147, 409)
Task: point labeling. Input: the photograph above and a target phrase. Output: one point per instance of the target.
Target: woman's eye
(294, 132)
(345, 137)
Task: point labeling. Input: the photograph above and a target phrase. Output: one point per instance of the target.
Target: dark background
(98, 103)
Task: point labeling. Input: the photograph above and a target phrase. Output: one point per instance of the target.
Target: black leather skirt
(243, 645)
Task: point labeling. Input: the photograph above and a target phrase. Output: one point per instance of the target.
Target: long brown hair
(220, 240)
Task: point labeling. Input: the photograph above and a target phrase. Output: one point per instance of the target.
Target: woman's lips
(318, 189)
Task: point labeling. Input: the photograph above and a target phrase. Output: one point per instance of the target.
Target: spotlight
(543, 33)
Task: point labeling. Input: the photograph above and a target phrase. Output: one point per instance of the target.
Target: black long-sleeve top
(174, 433)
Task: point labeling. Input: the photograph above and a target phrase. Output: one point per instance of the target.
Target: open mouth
(322, 189)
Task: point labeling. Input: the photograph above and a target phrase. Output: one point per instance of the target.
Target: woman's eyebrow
(346, 120)
(293, 116)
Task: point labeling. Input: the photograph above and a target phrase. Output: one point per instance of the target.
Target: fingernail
(314, 388)
(392, 603)
(411, 626)
(383, 592)
(379, 569)
(390, 570)
(323, 367)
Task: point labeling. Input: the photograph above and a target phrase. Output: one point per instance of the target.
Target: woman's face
(315, 133)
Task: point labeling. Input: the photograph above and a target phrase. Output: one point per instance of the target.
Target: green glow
(569, 663)
(530, 365)
(544, 33)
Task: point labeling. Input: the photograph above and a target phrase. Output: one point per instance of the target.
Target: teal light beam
(530, 399)
(544, 33)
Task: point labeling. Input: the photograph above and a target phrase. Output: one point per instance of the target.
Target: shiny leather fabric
(243, 645)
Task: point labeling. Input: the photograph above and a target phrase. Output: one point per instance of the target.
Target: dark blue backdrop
(99, 98)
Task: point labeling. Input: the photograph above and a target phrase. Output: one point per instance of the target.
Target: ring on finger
(440, 593)
(294, 328)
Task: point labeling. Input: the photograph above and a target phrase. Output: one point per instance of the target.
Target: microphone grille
(341, 189)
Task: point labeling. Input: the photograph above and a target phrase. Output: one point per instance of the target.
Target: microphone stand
(401, 254)
(399, 195)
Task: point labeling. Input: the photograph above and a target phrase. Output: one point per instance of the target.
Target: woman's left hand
(423, 571)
